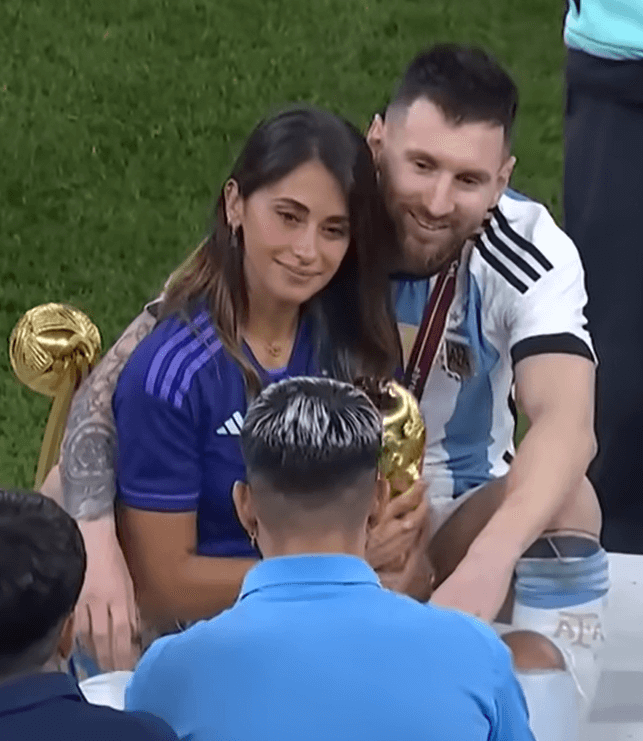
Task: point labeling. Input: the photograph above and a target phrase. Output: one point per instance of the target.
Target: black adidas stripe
(506, 250)
(519, 240)
(500, 267)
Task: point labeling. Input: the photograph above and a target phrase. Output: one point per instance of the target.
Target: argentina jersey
(179, 405)
(519, 292)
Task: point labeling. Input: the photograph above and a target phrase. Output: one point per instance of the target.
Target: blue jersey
(315, 649)
(178, 406)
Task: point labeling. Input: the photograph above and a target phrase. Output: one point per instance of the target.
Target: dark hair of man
(42, 569)
(311, 439)
(466, 84)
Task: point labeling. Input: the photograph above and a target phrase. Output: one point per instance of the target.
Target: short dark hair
(311, 435)
(466, 83)
(42, 568)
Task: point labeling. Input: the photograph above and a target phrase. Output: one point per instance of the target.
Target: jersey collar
(308, 569)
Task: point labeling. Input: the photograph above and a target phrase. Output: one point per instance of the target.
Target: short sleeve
(549, 316)
(157, 462)
(512, 718)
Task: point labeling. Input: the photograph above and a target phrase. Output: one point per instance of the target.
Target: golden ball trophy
(52, 349)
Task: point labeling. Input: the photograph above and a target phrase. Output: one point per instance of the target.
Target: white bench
(617, 714)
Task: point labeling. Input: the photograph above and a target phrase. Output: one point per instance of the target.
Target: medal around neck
(404, 432)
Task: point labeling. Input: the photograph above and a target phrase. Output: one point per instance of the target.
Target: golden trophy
(404, 432)
(52, 349)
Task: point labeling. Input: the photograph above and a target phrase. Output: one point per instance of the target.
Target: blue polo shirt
(178, 405)
(51, 706)
(316, 649)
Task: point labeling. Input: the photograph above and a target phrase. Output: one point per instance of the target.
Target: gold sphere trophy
(404, 432)
(52, 349)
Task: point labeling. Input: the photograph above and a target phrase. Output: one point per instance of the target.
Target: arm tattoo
(87, 451)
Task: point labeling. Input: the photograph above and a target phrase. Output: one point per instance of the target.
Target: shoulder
(166, 362)
(448, 627)
(522, 244)
(124, 725)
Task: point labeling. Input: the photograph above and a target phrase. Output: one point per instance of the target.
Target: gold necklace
(273, 349)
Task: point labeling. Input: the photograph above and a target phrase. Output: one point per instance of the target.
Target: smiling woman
(280, 289)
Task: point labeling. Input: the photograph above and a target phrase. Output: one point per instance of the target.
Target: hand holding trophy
(398, 545)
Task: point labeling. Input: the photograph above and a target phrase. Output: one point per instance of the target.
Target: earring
(235, 242)
(253, 540)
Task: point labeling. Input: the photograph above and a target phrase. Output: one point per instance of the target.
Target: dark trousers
(603, 211)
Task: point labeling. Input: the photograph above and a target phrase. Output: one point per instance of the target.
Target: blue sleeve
(158, 464)
(512, 717)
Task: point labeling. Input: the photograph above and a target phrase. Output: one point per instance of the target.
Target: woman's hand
(391, 540)
(107, 622)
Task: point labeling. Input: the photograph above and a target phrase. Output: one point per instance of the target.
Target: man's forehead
(423, 127)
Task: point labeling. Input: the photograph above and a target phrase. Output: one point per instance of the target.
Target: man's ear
(66, 640)
(504, 176)
(381, 497)
(233, 204)
(375, 137)
(242, 498)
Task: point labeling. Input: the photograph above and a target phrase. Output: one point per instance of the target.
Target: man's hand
(416, 576)
(390, 541)
(107, 623)
(478, 586)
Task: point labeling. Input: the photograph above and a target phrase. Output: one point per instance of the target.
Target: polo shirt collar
(308, 569)
(37, 688)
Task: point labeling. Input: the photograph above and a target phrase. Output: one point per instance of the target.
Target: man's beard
(426, 260)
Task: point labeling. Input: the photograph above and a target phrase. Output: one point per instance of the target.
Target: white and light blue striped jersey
(519, 292)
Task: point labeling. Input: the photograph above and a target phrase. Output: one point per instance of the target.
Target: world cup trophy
(404, 432)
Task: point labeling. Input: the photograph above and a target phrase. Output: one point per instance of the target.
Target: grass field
(119, 120)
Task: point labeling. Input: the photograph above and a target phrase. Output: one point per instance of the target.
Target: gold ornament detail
(52, 349)
(404, 432)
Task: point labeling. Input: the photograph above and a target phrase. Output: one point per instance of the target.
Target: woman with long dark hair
(293, 281)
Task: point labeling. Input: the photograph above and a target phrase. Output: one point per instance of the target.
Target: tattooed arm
(87, 453)
(107, 625)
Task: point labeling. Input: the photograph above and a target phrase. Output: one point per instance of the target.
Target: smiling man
(490, 300)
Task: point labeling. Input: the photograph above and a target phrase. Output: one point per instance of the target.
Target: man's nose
(438, 200)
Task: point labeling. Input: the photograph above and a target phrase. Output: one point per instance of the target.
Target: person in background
(314, 647)
(603, 192)
(42, 567)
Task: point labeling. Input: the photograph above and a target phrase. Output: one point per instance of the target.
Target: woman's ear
(233, 204)
(242, 498)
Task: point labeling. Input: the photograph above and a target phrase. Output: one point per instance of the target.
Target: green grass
(119, 120)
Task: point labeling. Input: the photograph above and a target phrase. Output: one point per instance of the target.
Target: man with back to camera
(42, 566)
(314, 648)
(511, 300)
